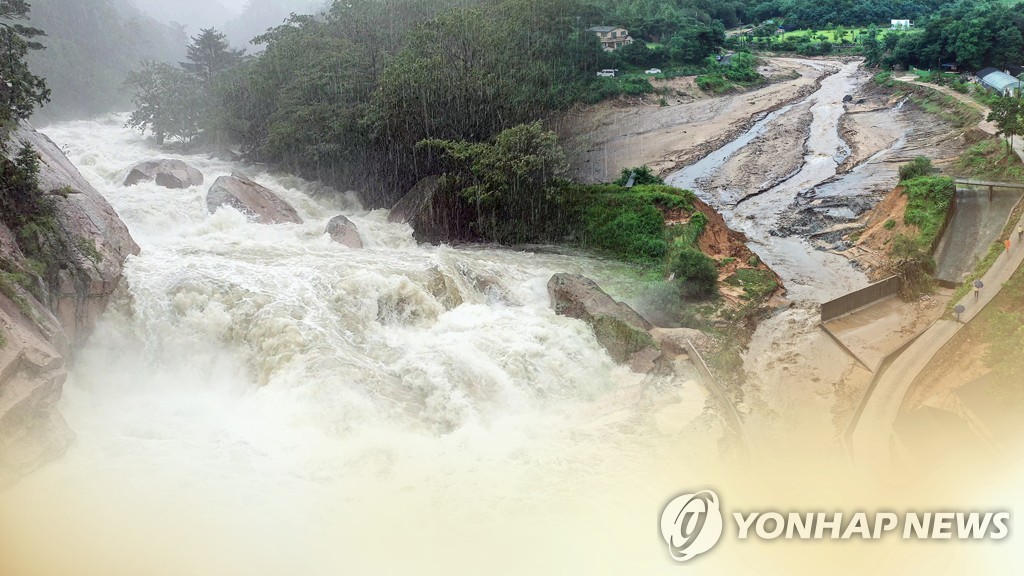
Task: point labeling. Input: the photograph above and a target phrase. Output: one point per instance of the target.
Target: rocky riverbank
(59, 274)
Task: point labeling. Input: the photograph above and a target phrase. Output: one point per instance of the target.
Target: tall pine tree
(209, 54)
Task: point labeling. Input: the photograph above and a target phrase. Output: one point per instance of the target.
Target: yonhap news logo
(691, 524)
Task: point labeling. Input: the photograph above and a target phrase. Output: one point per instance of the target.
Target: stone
(43, 322)
(434, 218)
(257, 202)
(165, 172)
(618, 328)
(344, 231)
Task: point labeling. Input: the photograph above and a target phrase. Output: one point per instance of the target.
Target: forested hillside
(345, 98)
(91, 45)
(974, 35)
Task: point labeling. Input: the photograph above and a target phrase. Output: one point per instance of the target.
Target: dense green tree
(20, 90)
(872, 47)
(694, 41)
(1008, 115)
(168, 101)
(695, 274)
(508, 179)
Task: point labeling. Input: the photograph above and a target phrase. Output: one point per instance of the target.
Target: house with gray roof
(612, 37)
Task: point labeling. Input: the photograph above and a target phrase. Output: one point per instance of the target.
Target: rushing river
(262, 400)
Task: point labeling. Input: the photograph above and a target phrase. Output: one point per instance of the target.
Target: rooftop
(998, 80)
(603, 28)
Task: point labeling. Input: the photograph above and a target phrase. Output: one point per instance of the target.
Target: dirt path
(985, 125)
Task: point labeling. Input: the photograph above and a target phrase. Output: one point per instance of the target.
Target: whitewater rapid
(285, 404)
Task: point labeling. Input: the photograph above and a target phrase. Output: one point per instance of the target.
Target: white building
(900, 24)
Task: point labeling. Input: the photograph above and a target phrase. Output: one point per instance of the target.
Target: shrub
(713, 83)
(889, 224)
(912, 263)
(695, 274)
(644, 176)
(916, 168)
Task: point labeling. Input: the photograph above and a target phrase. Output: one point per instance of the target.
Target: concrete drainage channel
(726, 408)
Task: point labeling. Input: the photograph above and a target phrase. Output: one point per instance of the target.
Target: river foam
(261, 400)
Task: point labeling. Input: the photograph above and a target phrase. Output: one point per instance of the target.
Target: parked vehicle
(653, 71)
(608, 72)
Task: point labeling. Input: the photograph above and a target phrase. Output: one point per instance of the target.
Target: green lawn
(830, 35)
(850, 34)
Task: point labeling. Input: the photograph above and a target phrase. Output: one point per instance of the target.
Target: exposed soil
(867, 125)
(796, 167)
(847, 214)
(768, 159)
(605, 138)
(881, 225)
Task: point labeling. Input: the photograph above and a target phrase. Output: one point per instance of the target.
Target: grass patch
(929, 198)
(625, 85)
(998, 328)
(757, 284)
(629, 222)
(958, 113)
(988, 160)
(850, 35)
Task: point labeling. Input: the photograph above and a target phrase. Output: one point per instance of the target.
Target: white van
(607, 72)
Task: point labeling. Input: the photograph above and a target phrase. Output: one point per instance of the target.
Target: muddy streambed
(767, 175)
(791, 183)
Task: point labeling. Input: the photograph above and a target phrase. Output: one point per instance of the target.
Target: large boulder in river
(435, 217)
(166, 173)
(344, 231)
(257, 202)
(618, 328)
(51, 298)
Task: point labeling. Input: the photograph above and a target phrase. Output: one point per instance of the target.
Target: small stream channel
(809, 273)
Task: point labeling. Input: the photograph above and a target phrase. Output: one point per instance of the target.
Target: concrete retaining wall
(860, 298)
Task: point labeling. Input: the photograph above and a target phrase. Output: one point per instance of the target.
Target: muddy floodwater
(809, 273)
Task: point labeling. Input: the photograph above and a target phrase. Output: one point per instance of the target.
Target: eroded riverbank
(794, 180)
